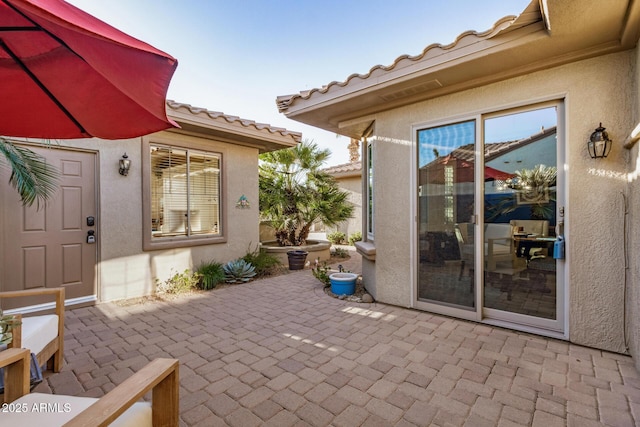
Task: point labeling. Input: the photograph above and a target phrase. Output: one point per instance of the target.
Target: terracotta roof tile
(353, 168)
(506, 24)
(216, 115)
(495, 149)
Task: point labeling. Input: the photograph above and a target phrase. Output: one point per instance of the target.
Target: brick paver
(280, 352)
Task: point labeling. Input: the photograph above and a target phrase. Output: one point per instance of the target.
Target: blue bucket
(343, 283)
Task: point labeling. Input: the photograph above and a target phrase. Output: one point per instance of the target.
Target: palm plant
(295, 193)
(35, 180)
(536, 186)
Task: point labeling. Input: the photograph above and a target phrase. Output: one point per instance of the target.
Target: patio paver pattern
(280, 352)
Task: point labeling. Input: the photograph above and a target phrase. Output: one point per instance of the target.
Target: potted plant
(295, 192)
(343, 283)
(7, 323)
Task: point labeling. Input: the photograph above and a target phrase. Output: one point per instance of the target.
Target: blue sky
(238, 56)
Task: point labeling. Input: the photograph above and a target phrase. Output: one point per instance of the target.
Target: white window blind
(185, 192)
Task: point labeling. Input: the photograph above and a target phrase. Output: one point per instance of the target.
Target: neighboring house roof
(345, 170)
(560, 32)
(231, 129)
(492, 150)
(497, 149)
(463, 158)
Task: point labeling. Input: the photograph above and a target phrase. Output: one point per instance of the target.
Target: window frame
(369, 189)
(148, 241)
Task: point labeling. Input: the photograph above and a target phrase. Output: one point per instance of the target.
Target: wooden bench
(120, 406)
(42, 334)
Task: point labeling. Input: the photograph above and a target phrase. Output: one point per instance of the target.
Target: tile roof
(494, 149)
(506, 24)
(216, 115)
(345, 169)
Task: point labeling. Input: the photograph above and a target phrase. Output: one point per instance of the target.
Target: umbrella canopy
(491, 174)
(464, 171)
(66, 74)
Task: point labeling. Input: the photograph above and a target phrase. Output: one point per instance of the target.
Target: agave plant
(7, 323)
(238, 271)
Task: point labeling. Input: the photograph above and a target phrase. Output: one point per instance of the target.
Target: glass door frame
(557, 328)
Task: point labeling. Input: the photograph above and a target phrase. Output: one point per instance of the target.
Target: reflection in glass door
(446, 195)
(485, 236)
(520, 190)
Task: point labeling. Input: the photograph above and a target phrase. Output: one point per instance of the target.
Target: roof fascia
(255, 135)
(631, 28)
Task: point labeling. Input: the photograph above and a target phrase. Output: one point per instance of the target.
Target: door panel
(446, 197)
(520, 213)
(47, 247)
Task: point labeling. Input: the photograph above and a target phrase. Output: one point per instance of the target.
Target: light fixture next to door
(125, 164)
(599, 143)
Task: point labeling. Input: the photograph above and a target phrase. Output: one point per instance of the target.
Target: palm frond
(34, 179)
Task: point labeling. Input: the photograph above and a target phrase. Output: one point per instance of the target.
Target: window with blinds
(185, 192)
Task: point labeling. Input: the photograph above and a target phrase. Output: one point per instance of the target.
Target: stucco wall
(353, 186)
(594, 217)
(633, 202)
(124, 269)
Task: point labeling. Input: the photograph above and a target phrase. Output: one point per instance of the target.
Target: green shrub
(337, 237)
(340, 253)
(7, 323)
(265, 264)
(238, 271)
(355, 237)
(211, 273)
(178, 283)
(321, 273)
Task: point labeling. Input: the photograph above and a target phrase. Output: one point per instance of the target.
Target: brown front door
(48, 247)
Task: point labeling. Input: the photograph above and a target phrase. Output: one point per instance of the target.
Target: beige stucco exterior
(124, 268)
(575, 52)
(594, 287)
(352, 184)
(633, 247)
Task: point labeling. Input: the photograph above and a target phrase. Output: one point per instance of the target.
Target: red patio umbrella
(66, 74)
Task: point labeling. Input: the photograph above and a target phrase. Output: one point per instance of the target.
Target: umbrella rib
(41, 85)
(16, 29)
(37, 27)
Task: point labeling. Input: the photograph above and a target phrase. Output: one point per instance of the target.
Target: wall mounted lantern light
(599, 143)
(125, 164)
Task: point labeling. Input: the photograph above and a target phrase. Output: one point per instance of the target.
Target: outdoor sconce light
(125, 164)
(599, 143)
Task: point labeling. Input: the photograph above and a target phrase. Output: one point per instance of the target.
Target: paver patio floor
(281, 352)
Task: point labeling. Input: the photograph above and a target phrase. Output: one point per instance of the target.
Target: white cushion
(497, 231)
(52, 410)
(38, 331)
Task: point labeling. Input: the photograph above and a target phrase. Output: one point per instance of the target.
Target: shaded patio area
(281, 352)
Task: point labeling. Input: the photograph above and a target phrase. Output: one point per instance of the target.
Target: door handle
(91, 238)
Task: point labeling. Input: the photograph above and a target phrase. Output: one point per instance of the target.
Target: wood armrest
(17, 362)
(161, 376)
(59, 294)
(31, 292)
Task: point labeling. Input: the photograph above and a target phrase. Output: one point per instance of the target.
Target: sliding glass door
(446, 194)
(520, 204)
(486, 236)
